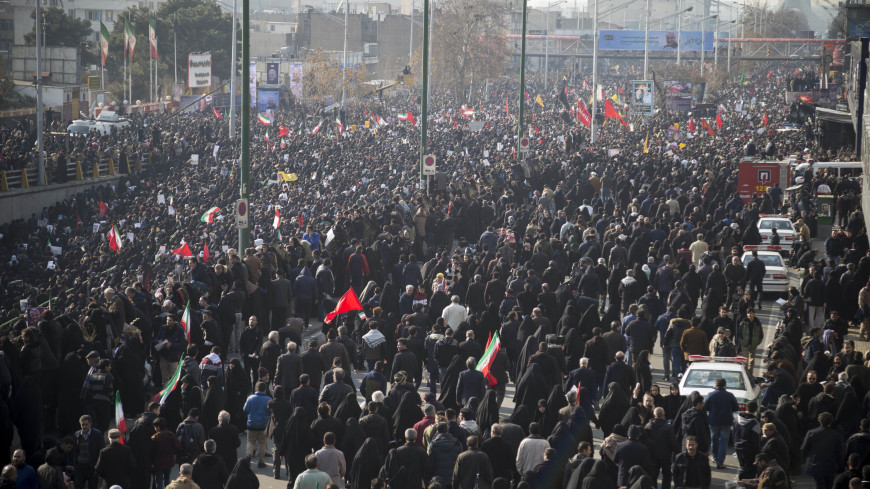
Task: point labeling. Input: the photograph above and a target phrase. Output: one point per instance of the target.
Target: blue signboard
(630, 40)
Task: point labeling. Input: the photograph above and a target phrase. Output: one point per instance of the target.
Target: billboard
(199, 70)
(268, 99)
(642, 95)
(296, 80)
(679, 96)
(273, 73)
(252, 83)
(631, 40)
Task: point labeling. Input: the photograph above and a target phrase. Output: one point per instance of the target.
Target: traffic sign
(242, 213)
(524, 145)
(429, 165)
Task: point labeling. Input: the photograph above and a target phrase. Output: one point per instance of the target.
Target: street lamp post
(646, 43)
(547, 43)
(703, 39)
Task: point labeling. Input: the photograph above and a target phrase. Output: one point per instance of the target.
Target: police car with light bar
(783, 225)
(775, 274)
(702, 373)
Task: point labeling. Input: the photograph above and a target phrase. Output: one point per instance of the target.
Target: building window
(95, 15)
(72, 13)
(272, 27)
(110, 16)
(6, 25)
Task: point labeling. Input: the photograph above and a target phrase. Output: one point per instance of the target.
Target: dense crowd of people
(588, 258)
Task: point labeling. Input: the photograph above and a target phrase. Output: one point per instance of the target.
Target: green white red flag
(115, 239)
(170, 384)
(120, 422)
(486, 360)
(264, 119)
(209, 214)
(185, 320)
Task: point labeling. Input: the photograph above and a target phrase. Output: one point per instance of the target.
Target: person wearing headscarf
(352, 440)
(487, 413)
(242, 477)
(407, 414)
(296, 443)
(643, 371)
(348, 408)
(212, 403)
(531, 387)
(574, 478)
(237, 391)
(613, 408)
(449, 382)
(279, 413)
(639, 479)
(598, 478)
(367, 463)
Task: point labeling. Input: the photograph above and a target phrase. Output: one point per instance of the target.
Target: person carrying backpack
(722, 345)
(192, 437)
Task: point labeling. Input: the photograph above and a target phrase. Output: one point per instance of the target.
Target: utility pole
(424, 115)
(646, 43)
(344, 57)
(40, 112)
(245, 160)
(234, 57)
(679, 32)
(520, 121)
(592, 126)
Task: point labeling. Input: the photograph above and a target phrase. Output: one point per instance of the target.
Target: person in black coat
(139, 441)
(501, 454)
(694, 423)
(662, 442)
(209, 471)
(411, 459)
(226, 436)
(471, 383)
(691, 468)
(375, 426)
(242, 476)
(305, 397)
(823, 449)
(289, 368)
(630, 453)
(314, 364)
(406, 361)
(620, 373)
(115, 465)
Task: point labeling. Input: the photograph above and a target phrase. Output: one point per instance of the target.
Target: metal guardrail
(14, 178)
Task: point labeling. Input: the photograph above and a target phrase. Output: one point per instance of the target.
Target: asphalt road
(769, 316)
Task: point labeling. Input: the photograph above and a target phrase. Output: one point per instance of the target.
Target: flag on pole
(507, 106)
(104, 44)
(264, 119)
(692, 124)
(539, 100)
(205, 253)
(283, 131)
(486, 360)
(268, 150)
(411, 118)
(209, 214)
(611, 113)
(340, 125)
(317, 129)
(183, 251)
(765, 120)
(216, 113)
(152, 37)
(277, 220)
(646, 144)
(185, 320)
(129, 38)
(170, 384)
(115, 239)
(103, 208)
(719, 120)
(583, 114)
(347, 303)
(120, 422)
(706, 125)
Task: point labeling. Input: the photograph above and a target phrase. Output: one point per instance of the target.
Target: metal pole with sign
(429, 165)
(244, 164)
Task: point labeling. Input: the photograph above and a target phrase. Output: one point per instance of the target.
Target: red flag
(583, 114)
(216, 113)
(765, 118)
(621, 92)
(205, 254)
(283, 131)
(411, 118)
(299, 219)
(706, 125)
(538, 131)
(347, 303)
(692, 124)
(365, 111)
(527, 96)
(611, 113)
(719, 121)
(183, 252)
(507, 109)
(104, 207)
(268, 148)
(769, 73)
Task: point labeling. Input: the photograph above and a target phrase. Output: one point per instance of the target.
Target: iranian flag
(185, 322)
(488, 356)
(120, 422)
(104, 44)
(348, 302)
(277, 221)
(129, 39)
(115, 239)
(316, 129)
(340, 126)
(216, 113)
(209, 214)
(152, 37)
(264, 119)
(171, 384)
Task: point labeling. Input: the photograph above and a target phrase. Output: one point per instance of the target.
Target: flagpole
(520, 121)
(175, 42)
(234, 59)
(244, 169)
(592, 127)
(150, 77)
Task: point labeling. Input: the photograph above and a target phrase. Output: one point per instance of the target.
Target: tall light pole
(522, 99)
(703, 39)
(547, 43)
(680, 29)
(234, 57)
(344, 57)
(411, 44)
(593, 126)
(245, 159)
(40, 114)
(646, 43)
(716, 52)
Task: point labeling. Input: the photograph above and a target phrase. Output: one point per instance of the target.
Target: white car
(701, 376)
(775, 272)
(783, 226)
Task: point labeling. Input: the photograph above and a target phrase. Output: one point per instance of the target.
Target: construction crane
(403, 78)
